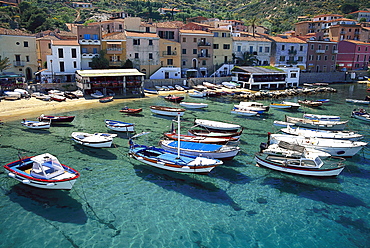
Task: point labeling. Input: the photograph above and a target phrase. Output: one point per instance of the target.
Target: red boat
(172, 98)
(53, 118)
(201, 139)
(106, 99)
(127, 110)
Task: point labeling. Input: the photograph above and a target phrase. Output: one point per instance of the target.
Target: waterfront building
(353, 55)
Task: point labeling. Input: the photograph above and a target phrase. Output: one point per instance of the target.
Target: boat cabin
(46, 166)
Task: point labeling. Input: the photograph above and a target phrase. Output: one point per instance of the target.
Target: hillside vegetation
(277, 15)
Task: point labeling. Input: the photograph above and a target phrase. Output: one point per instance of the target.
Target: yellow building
(115, 46)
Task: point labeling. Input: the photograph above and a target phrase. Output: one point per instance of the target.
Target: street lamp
(52, 73)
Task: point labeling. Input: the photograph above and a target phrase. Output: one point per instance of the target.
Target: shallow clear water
(119, 202)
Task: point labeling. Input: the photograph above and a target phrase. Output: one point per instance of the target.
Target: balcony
(292, 52)
(343, 32)
(19, 63)
(169, 53)
(115, 63)
(291, 62)
(335, 51)
(204, 43)
(89, 55)
(205, 56)
(114, 50)
(89, 42)
(320, 51)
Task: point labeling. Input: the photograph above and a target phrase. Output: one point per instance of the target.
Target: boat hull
(215, 125)
(300, 171)
(55, 119)
(120, 126)
(167, 111)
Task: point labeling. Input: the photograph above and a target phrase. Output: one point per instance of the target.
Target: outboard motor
(263, 146)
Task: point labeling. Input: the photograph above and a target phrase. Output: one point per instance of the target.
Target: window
(90, 64)
(150, 55)
(95, 50)
(49, 45)
(226, 46)
(358, 57)
(183, 51)
(319, 47)
(239, 48)
(61, 66)
(310, 57)
(215, 34)
(166, 74)
(74, 53)
(147, 29)
(260, 49)
(184, 39)
(326, 57)
(169, 61)
(74, 64)
(326, 47)
(95, 37)
(300, 58)
(282, 58)
(282, 47)
(136, 42)
(318, 57)
(359, 49)
(301, 48)
(224, 35)
(194, 51)
(150, 42)
(84, 50)
(183, 62)
(60, 53)
(195, 40)
(333, 57)
(293, 75)
(267, 49)
(312, 46)
(87, 36)
(27, 58)
(136, 55)
(204, 62)
(215, 46)
(25, 43)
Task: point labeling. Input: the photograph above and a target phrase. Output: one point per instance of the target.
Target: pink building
(353, 55)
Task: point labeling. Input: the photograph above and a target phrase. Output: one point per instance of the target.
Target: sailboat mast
(178, 135)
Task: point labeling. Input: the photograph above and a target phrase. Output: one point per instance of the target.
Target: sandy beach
(32, 108)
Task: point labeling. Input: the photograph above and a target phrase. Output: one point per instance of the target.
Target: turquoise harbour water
(119, 202)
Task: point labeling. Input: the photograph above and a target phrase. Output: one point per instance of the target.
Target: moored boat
(253, 106)
(223, 152)
(167, 111)
(355, 101)
(193, 105)
(151, 91)
(201, 139)
(120, 126)
(97, 140)
(322, 117)
(36, 124)
(56, 118)
(106, 99)
(128, 110)
(243, 112)
(218, 133)
(197, 94)
(42, 171)
(341, 148)
(173, 98)
(310, 103)
(316, 124)
(361, 114)
(216, 125)
(97, 94)
(285, 105)
(57, 98)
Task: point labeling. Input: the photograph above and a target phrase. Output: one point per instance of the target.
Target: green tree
(100, 62)
(247, 59)
(4, 64)
(349, 7)
(128, 64)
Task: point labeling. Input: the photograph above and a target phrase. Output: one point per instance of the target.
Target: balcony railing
(169, 53)
(203, 43)
(89, 42)
(320, 51)
(204, 55)
(19, 63)
(292, 52)
(89, 55)
(115, 63)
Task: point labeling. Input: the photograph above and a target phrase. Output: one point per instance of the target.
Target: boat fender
(26, 181)
(50, 184)
(12, 175)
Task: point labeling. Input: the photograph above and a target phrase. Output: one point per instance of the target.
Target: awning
(302, 67)
(109, 73)
(114, 43)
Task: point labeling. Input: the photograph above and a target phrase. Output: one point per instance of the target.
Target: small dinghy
(42, 171)
(36, 124)
(97, 140)
(120, 126)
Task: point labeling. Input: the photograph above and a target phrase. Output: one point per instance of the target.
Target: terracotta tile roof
(251, 38)
(144, 35)
(327, 15)
(115, 36)
(360, 11)
(286, 40)
(5, 31)
(357, 42)
(219, 29)
(65, 43)
(184, 31)
(174, 24)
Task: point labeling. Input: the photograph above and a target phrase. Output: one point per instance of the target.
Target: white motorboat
(97, 94)
(356, 101)
(178, 87)
(243, 112)
(340, 148)
(216, 125)
(194, 105)
(13, 95)
(229, 85)
(316, 124)
(209, 85)
(299, 165)
(325, 134)
(36, 124)
(253, 106)
(361, 114)
(167, 111)
(42, 171)
(321, 117)
(151, 91)
(285, 105)
(120, 126)
(197, 94)
(97, 140)
(223, 152)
